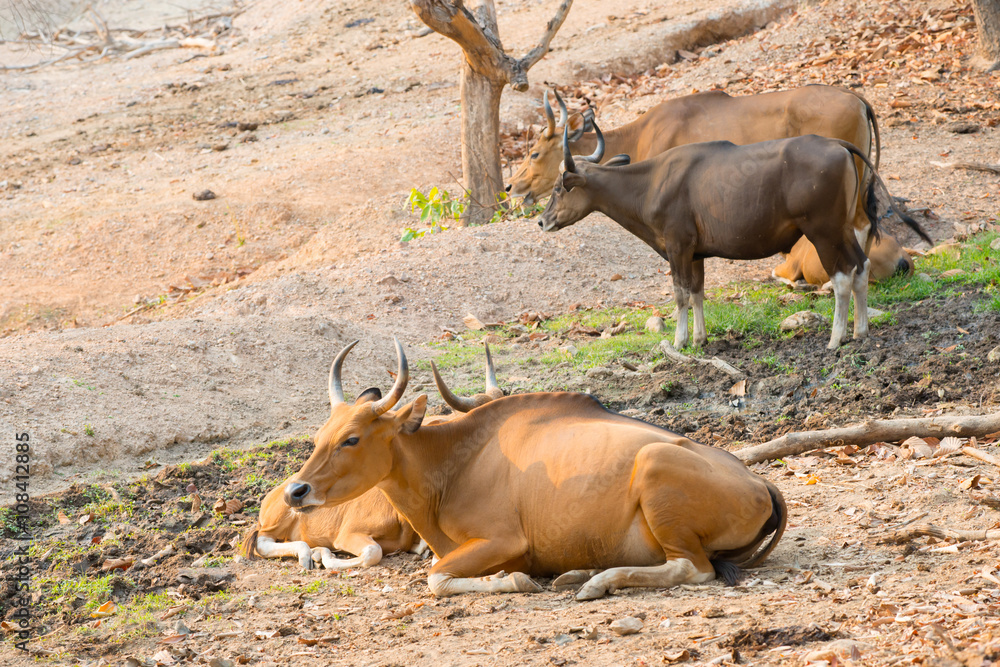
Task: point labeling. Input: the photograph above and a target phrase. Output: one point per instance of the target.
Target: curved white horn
(383, 405)
(336, 390)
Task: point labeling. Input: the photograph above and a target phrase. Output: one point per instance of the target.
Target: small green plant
(88, 430)
(436, 207)
(504, 212)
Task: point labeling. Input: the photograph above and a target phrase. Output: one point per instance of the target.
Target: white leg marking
(671, 573)
(369, 556)
(842, 301)
(698, 306)
(268, 548)
(681, 332)
(861, 301)
(443, 585)
(782, 280)
(862, 235)
(421, 549)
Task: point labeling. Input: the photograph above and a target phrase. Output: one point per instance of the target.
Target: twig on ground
(930, 530)
(972, 166)
(671, 352)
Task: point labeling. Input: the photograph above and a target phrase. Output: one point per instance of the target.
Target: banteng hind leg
(861, 301)
(698, 301)
(842, 301)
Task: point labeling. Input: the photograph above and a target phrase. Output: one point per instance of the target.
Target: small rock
(218, 148)
(626, 626)
(615, 277)
(204, 195)
(994, 355)
(181, 629)
(802, 319)
(874, 312)
(389, 281)
(569, 350)
(962, 127)
(220, 662)
(246, 127)
(599, 373)
(996, 244)
(35, 370)
(924, 277)
(656, 324)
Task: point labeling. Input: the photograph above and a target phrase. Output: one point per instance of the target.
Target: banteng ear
(588, 120)
(412, 415)
(577, 126)
(368, 395)
(572, 179)
(618, 161)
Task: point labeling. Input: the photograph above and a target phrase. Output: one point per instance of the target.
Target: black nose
(540, 224)
(508, 187)
(295, 493)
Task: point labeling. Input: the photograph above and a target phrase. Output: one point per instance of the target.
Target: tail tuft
(248, 548)
(728, 571)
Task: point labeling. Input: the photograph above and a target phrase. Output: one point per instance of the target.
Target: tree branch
(534, 55)
(482, 50)
(869, 432)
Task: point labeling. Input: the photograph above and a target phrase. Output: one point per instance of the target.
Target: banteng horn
(336, 389)
(383, 405)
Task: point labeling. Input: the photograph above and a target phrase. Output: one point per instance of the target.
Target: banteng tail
(870, 209)
(729, 566)
(249, 546)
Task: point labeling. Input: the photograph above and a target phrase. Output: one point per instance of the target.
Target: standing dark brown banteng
(717, 199)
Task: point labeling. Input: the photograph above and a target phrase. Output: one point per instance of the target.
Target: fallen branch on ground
(671, 352)
(972, 166)
(869, 432)
(930, 530)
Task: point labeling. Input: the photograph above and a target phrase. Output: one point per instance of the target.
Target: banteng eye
(350, 442)
(534, 156)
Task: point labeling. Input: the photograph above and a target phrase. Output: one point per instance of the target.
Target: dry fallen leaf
(971, 483)
(739, 389)
(105, 610)
(63, 519)
(679, 655)
(473, 322)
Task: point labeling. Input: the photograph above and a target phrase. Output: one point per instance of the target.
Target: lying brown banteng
(546, 484)
(717, 199)
(367, 526)
(715, 116)
(886, 255)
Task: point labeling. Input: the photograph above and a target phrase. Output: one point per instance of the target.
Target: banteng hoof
(570, 581)
(523, 583)
(592, 590)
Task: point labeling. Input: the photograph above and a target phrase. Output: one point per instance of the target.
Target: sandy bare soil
(143, 328)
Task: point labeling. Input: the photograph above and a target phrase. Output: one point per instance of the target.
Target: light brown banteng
(717, 199)
(546, 484)
(886, 255)
(827, 111)
(367, 526)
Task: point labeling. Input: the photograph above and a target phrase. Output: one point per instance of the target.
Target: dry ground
(99, 165)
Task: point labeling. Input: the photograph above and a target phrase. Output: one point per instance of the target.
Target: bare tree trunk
(486, 69)
(988, 23)
(480, 144)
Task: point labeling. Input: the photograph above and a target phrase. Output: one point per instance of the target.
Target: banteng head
(353, 449)
(538, 173)
(572, 199)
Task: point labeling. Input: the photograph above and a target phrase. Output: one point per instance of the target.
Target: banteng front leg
(453, 573)
(268, 548)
